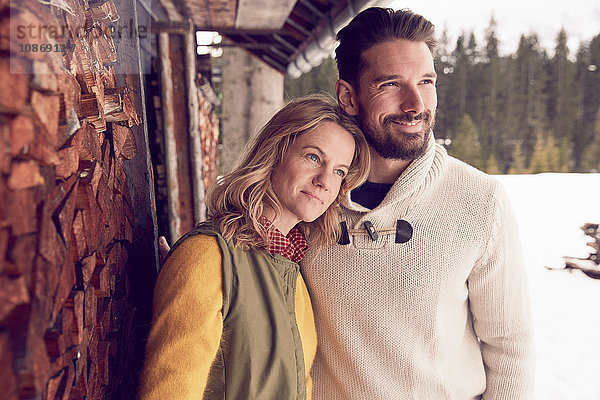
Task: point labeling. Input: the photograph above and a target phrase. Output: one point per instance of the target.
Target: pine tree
(591, 156)
(552, 155)
(531, 98)
(562, 93)
(539, 157)
(465, 145)
(517, 165)
(492, 167)
(564, 156)
(326, 76)
(489, 86)
(444, 116)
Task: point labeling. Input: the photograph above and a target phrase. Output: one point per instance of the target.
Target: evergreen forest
(528, 112)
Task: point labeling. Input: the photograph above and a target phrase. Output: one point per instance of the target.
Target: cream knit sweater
(445, 315)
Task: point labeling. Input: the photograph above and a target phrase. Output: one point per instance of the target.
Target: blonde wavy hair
(236, 200)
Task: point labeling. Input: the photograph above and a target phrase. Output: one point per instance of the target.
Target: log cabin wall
(77, 223)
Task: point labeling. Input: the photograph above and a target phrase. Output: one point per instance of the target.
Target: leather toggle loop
(404, 231)
(345, 237)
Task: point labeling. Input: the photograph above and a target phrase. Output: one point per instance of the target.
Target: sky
(580, 18)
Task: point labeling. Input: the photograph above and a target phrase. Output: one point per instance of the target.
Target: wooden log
(21, 256)
(47, 109)
(43, 77)
(86, 173)
(103, 11)
(21, 211)
(8, 379)
(104, 197)
(81, 66)
(57, 384)
(69, 162)
(34, 375)
(64, 213)
(114, 105)
(14, 293)
(69, 96)
(79, 246)
(89, 108)
(5, 268)
(108, 77)
(22, 135)
(66, 284)
(103, 368)
(25, 175)
(74, 304)
(51, 242)
(70, 374)
(100, 281)
(87, 266)
(45, 281)
(103, 323)
(23, 17)
(90, 307)
(168, 114)
(195, 141)
(66, 338)
(88, 142)
(5, 158)
(103, 45)
(55, 346)
(118, 106)
(124, 142)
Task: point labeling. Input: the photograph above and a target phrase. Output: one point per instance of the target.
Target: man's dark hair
(373, 26)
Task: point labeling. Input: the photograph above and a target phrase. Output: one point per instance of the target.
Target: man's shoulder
(466, 181)
(460, 170)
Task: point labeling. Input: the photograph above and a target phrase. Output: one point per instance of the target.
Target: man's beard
(393, 143)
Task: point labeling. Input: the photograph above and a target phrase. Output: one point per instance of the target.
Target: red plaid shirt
(293, 246)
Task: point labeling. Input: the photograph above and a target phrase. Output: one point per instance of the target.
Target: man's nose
(412, 102)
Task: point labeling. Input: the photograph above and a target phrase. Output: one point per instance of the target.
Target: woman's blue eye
(313, 157)
(340, 172)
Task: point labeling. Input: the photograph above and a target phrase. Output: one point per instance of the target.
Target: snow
(550, 209)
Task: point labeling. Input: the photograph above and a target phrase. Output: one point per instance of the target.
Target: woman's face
(309, 176)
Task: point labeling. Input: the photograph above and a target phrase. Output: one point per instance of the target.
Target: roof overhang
(292, 36)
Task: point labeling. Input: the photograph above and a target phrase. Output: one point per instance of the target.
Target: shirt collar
(293, 246)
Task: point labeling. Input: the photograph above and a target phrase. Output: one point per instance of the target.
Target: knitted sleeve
(187, 322)
(499, 302)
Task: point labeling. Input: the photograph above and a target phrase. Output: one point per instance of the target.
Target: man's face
(397, 99)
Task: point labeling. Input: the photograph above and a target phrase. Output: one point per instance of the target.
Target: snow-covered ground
(566, 306)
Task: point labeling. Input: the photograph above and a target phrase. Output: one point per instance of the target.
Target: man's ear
(347, 97)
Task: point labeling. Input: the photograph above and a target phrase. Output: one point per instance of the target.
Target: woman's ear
(346, 97)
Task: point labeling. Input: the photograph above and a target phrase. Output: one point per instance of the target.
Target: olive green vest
(260, 355)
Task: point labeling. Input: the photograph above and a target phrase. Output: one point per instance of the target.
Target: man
(426, 296)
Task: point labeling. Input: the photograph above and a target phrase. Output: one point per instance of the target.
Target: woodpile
(66, 213)
(209, 134)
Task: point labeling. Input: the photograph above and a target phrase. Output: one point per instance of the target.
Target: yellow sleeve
(306, 326)
(187, 322)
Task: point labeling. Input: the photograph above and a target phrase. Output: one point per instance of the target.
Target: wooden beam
(263, 13)
(170, 149)
(194, 120)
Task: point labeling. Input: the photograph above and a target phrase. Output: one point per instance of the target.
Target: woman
(232, 316)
